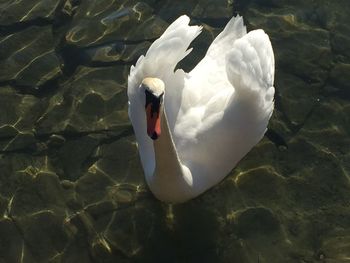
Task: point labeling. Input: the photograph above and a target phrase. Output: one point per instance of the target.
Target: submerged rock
(93, 99)
(13, 12)
(94, 24)
(13, 248)
(28, 57)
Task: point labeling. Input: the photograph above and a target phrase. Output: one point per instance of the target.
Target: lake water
(71, 184)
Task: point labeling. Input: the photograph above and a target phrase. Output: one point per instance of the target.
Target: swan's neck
(170, 176)
(168, 163)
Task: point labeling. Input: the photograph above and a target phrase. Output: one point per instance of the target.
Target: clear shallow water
(71, 185)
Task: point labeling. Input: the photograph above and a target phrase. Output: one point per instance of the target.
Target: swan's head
(154, 96)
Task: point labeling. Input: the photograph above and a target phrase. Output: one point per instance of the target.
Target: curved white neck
(168, 163)
(170, 178)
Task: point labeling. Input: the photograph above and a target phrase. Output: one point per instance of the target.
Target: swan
(193, 128)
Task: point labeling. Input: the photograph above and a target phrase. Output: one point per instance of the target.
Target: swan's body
(210, 117)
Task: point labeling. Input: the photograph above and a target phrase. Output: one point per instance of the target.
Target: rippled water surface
(71, 184)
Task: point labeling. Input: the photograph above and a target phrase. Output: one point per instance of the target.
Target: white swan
(192, 128)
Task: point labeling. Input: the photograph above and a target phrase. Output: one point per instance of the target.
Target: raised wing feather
(227, 101)
(164, 53)
(207, 88)
(251, 68)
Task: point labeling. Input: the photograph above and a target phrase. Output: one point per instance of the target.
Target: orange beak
(153, 122)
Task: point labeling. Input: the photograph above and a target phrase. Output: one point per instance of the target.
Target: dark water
(71, 185)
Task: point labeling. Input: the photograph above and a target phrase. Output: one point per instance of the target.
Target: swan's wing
(159, 61)
(219, 49)
(231, 117)
(251, 68)
(164, 53)
(207, 88)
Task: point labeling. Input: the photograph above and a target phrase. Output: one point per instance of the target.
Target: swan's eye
(154, 101)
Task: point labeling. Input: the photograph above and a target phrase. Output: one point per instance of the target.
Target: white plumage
(215, 114)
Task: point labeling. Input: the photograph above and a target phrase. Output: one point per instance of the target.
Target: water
(71, 184)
